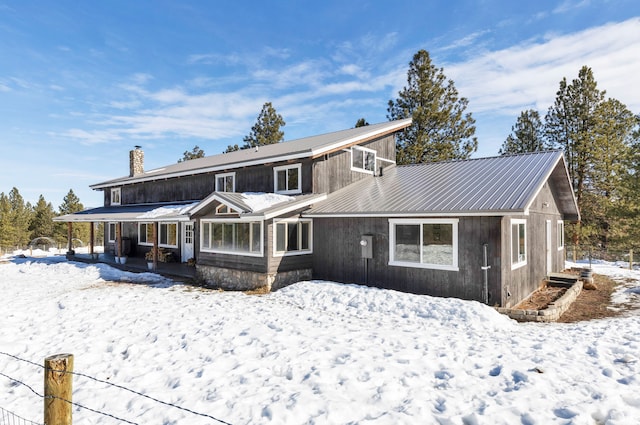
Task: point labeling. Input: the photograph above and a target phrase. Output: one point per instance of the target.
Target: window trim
(224, 175)
(222, 251)
(111, 238)
(114, 191)
(560, 236)
(362, 169)
(518, 264)
(230, 211)
(288, 191)
(296, 252)
(454, 236)
(159, 232)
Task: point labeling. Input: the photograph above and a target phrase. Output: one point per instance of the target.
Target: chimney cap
(137, 146)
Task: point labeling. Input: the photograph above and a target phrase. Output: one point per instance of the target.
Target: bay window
(232, 237)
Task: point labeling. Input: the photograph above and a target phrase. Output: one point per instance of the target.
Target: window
(115, 196)
(560, 235)
(427, 243)
(227, 237)
(223, 209)
(112, 232)
(293, 237)
(518, 243)
(145, 234)
(226, 182)
(167, 234)
(287, 179)
(363, 159)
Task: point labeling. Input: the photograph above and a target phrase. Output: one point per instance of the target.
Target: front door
(187, 241)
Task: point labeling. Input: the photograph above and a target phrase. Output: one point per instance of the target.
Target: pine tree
(6, 228)
(71, 204)
(527, 135)
(195, 153)
(361, 123)
(441, 130)
(20, 218)
(266, 130)
(42, 223)
(570, 124)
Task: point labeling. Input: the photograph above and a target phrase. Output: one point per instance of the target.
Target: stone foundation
(550, 314)
(242, 280)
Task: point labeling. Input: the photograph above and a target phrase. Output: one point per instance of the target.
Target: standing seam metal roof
(486, 185)
(298, 148)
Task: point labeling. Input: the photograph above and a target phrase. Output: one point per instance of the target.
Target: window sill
(424, 266)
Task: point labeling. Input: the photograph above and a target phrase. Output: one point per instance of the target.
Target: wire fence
(10, 418)
(17, 420)
(623, 257)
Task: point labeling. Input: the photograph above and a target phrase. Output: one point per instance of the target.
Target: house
(335, 206)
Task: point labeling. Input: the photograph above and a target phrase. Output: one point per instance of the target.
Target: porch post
(91, 236)
(119, 239)
(155, 245)
(69, 236)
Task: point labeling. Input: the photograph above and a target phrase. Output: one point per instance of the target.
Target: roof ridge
(483, 158)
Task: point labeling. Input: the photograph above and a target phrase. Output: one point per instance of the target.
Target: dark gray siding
(518, 284)
(337, 257)
(333, 171)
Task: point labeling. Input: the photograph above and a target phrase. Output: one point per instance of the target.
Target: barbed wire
(193, 412)
(67, 401)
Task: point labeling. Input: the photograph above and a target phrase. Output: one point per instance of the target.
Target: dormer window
(363, 159)
(226, 182)
(115, 196)
(287, 179)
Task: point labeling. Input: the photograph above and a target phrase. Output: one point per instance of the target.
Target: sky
(82, 83)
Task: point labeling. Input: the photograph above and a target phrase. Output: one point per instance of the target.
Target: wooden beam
(91, 236)
(69, 237)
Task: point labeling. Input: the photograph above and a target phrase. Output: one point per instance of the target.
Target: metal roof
(294, 149)
(485, 186)
(183, 211)
(177, 211)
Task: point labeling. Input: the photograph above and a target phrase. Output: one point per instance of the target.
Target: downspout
(485, 270)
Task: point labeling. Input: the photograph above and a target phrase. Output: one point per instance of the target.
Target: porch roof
(261, 206)
(132, 213)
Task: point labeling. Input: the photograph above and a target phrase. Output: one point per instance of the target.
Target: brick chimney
(136, 162)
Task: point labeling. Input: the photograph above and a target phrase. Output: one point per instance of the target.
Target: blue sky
(81, 83)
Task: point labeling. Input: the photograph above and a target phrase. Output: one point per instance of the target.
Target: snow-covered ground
(312, 353)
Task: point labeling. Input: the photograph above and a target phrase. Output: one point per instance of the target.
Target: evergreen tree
(71, 204)
(625, 229)
(6, 228)
(361, 123)
(441, 130)
(196, 152)
(20, 218)
(527, 135)
(42, 223)
(570, 124)
(266, 130)
(232, 148)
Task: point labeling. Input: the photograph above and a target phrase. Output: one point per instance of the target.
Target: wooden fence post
(631, 259)
(57, 389)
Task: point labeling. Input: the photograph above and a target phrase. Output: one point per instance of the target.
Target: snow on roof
(167, 210)
(259, 201)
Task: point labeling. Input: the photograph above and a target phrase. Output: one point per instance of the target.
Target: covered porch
(156, 237)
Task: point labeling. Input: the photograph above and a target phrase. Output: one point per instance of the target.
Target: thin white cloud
(569, 5)
(528, 74)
